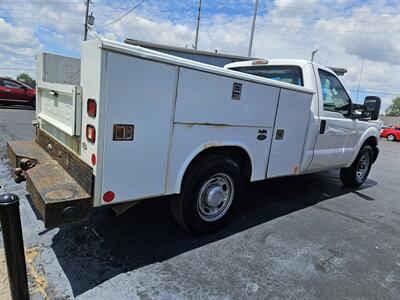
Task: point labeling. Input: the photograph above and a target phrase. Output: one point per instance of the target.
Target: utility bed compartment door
(289, 133)
(60, 105)
(139, 93)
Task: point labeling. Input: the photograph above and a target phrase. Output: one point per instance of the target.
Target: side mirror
(372, 106)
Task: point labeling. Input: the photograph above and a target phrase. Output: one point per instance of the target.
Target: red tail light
(91, 107)
(108, 196)
(90, 133)
(93, 159)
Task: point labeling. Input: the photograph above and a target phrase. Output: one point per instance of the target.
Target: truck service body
(125, 123)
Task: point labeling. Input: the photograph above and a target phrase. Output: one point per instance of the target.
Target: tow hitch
(24, 165)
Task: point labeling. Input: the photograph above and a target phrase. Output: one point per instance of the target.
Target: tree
(394, 109)
(25, 78)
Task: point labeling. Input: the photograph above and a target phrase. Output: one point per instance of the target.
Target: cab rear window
(288, 74)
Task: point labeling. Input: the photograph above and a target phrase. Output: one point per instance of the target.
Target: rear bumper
(58, 181)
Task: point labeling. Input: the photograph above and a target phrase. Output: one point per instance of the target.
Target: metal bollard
(14, 246)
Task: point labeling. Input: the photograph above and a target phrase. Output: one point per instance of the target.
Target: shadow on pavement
(146, 234)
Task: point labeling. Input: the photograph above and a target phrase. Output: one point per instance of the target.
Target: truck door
(337, 131)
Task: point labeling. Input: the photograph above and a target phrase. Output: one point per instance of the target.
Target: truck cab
(336, 131)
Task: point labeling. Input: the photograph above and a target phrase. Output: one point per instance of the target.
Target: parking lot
(306, 237)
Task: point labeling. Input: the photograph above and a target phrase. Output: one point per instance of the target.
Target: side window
(11, 84)
(288, 74)
(334, 95)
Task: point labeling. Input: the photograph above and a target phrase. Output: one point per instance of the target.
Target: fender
(370, 131)
(201, 148)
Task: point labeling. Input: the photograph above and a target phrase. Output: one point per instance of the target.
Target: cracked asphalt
(306, 237)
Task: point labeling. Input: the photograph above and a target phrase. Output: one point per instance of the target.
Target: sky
(362, 36)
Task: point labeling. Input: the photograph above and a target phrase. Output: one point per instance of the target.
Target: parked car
(16, 92)
(391, 133)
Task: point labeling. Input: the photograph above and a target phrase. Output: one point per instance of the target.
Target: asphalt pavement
(305, 237)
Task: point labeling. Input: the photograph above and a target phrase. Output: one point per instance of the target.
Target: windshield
(288, 74)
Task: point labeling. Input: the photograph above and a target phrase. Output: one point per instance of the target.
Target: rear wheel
(391, 137)
(357, 173)
(211, 192)
(33, 103)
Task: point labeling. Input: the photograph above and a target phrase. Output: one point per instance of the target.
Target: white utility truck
(125, 123)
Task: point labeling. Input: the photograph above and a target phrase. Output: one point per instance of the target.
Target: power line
(44, 2)
(375, 92)
(359, 81)
(125, 14)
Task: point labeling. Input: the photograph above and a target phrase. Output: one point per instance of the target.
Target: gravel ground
(4, 286)
(294, 238)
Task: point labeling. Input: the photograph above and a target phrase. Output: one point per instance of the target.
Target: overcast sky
(345, 32)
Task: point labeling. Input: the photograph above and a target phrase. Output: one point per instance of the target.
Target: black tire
(190, 212)
(391, 137)
(350, 176)
(33, 103)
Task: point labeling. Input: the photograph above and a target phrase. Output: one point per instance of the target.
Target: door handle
(322, 127)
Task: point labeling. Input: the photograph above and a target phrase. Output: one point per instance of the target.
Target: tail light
(91, 108)
(108, 196)
(90, 133)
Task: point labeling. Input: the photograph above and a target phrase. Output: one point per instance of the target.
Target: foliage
(394, 109)
(25, 78)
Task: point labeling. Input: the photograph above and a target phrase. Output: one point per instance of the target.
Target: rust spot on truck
(213, 125)
(59, 194)
(295, 169)
(188, 125)
(210, 145)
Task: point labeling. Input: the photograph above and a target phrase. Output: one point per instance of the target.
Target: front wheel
(211, 192)
(391, 138)
(357, 173)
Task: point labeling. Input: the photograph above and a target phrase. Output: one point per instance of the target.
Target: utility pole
(86, 19)
(359, 81)
(313, 54)
(252, 28)
(198, 26)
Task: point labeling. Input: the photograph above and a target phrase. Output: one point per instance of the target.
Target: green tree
(394, 109)
(25, 78)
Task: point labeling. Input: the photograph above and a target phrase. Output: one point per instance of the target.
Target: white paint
(137, 169)
(180, 108)
(292, 117)
(60, 105)
(207, 98)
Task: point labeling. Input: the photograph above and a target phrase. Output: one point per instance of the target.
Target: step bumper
(58, 193)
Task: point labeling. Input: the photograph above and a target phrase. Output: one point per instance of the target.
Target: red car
(391, 133)
(15, 92)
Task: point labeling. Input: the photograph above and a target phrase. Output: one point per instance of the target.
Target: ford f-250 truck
(126, 123)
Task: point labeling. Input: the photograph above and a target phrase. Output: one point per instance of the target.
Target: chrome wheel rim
(390, 137)
(362, 167)
(215, 197)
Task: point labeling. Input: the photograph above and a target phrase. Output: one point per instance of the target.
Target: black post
(14, 246)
